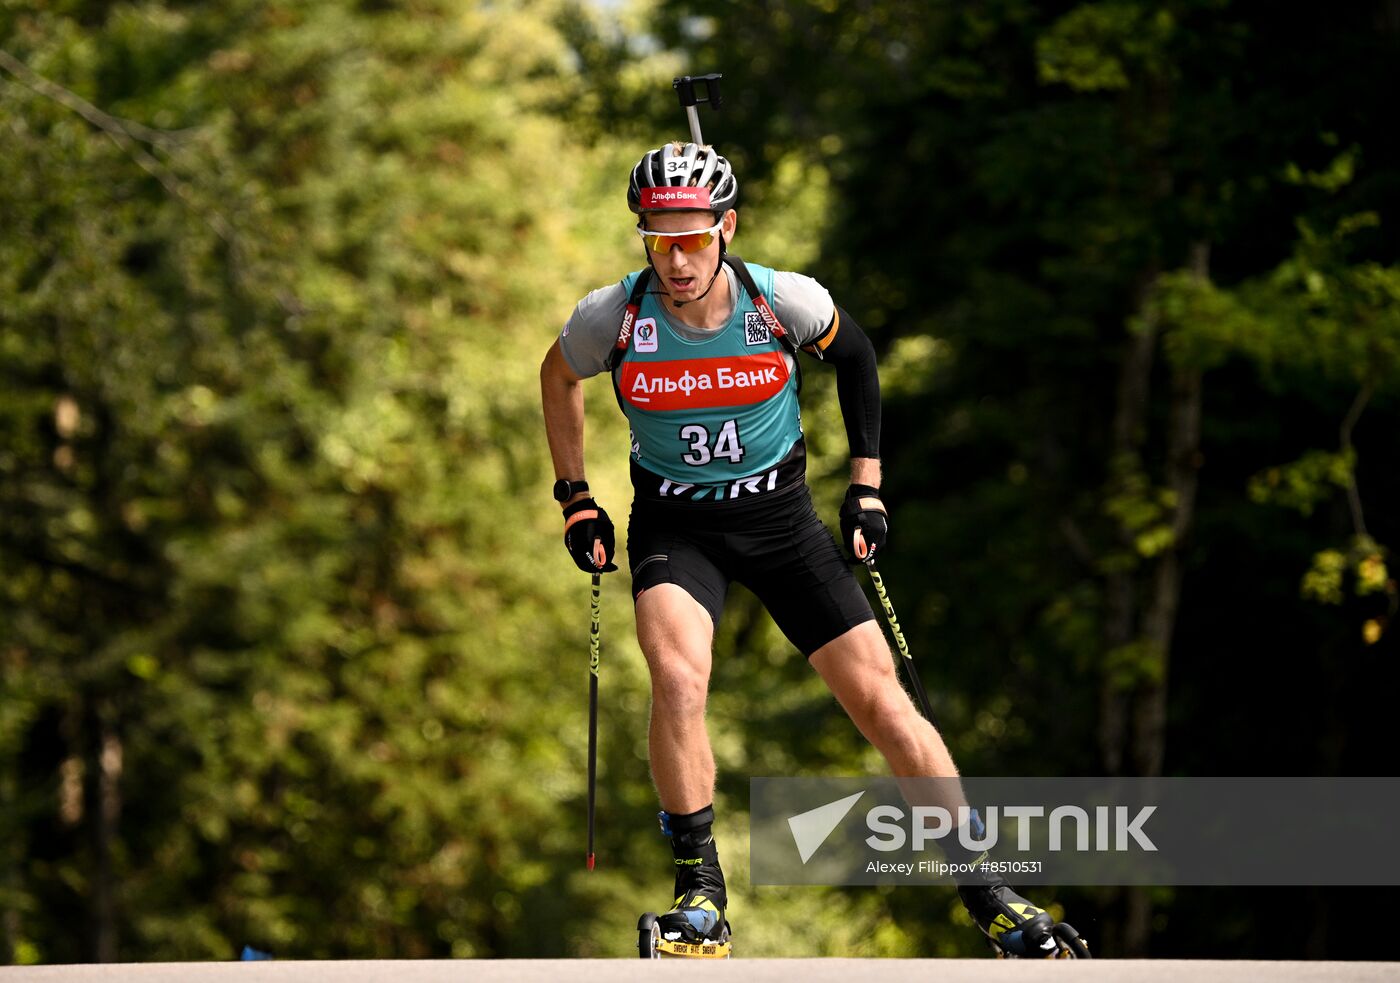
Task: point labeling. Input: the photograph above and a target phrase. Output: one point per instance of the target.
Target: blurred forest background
(290, 653)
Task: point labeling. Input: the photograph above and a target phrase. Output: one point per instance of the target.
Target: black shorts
(778, 549)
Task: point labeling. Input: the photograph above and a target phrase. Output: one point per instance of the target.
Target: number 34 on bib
(726, 444)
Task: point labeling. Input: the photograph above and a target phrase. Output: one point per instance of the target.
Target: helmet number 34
(726, 444)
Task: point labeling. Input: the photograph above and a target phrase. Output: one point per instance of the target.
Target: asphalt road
(763, 970)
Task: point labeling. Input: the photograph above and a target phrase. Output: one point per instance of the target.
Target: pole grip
(685, 88)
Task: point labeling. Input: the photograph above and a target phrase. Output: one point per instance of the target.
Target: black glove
(864, 525)
(588, 536)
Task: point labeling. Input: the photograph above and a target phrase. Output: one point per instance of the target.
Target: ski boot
(695, 927)
(1015, 928)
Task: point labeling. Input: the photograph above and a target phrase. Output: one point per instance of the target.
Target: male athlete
(702, 353)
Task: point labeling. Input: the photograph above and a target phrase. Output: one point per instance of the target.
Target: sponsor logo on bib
(646, 334)
(702, 383)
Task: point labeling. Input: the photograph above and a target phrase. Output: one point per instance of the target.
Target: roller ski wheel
(1072, 946)
(650, 944)
(648, 937)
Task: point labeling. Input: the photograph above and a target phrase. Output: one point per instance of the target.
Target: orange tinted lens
(689, 243)
(697, 242)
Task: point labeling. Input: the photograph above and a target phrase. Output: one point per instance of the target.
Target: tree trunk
(104, 810)
(1142, 595)
(1129, 421)
(1159, 622)
(10, 874)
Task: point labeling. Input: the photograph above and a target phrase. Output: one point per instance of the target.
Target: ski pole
(593, 712)
(908, 660)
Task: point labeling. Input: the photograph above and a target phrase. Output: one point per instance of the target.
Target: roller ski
(1017, 929)
(695, 927)
(651, 943)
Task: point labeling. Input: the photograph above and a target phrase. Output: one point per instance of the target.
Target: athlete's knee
(900, 722)
(680, 671)
(886, 709)
(680, 688)
(883, 710)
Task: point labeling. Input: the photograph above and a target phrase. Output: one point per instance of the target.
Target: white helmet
(682, 176)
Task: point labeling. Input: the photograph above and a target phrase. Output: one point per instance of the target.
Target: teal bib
(710, 411)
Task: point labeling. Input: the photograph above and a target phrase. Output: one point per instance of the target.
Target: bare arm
(562, 397)
(865, 471)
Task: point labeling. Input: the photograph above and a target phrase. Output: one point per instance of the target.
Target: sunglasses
(690, 242)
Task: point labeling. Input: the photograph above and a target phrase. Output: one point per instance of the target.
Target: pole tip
(590, 861)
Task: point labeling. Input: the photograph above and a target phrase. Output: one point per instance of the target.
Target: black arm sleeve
(857, 383)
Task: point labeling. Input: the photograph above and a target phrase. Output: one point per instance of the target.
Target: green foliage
(1302, 484)
(1317, 310)
(1102, 46)
(1144, 513)
(1134, 664)
(264, 458)
(1361, 567)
